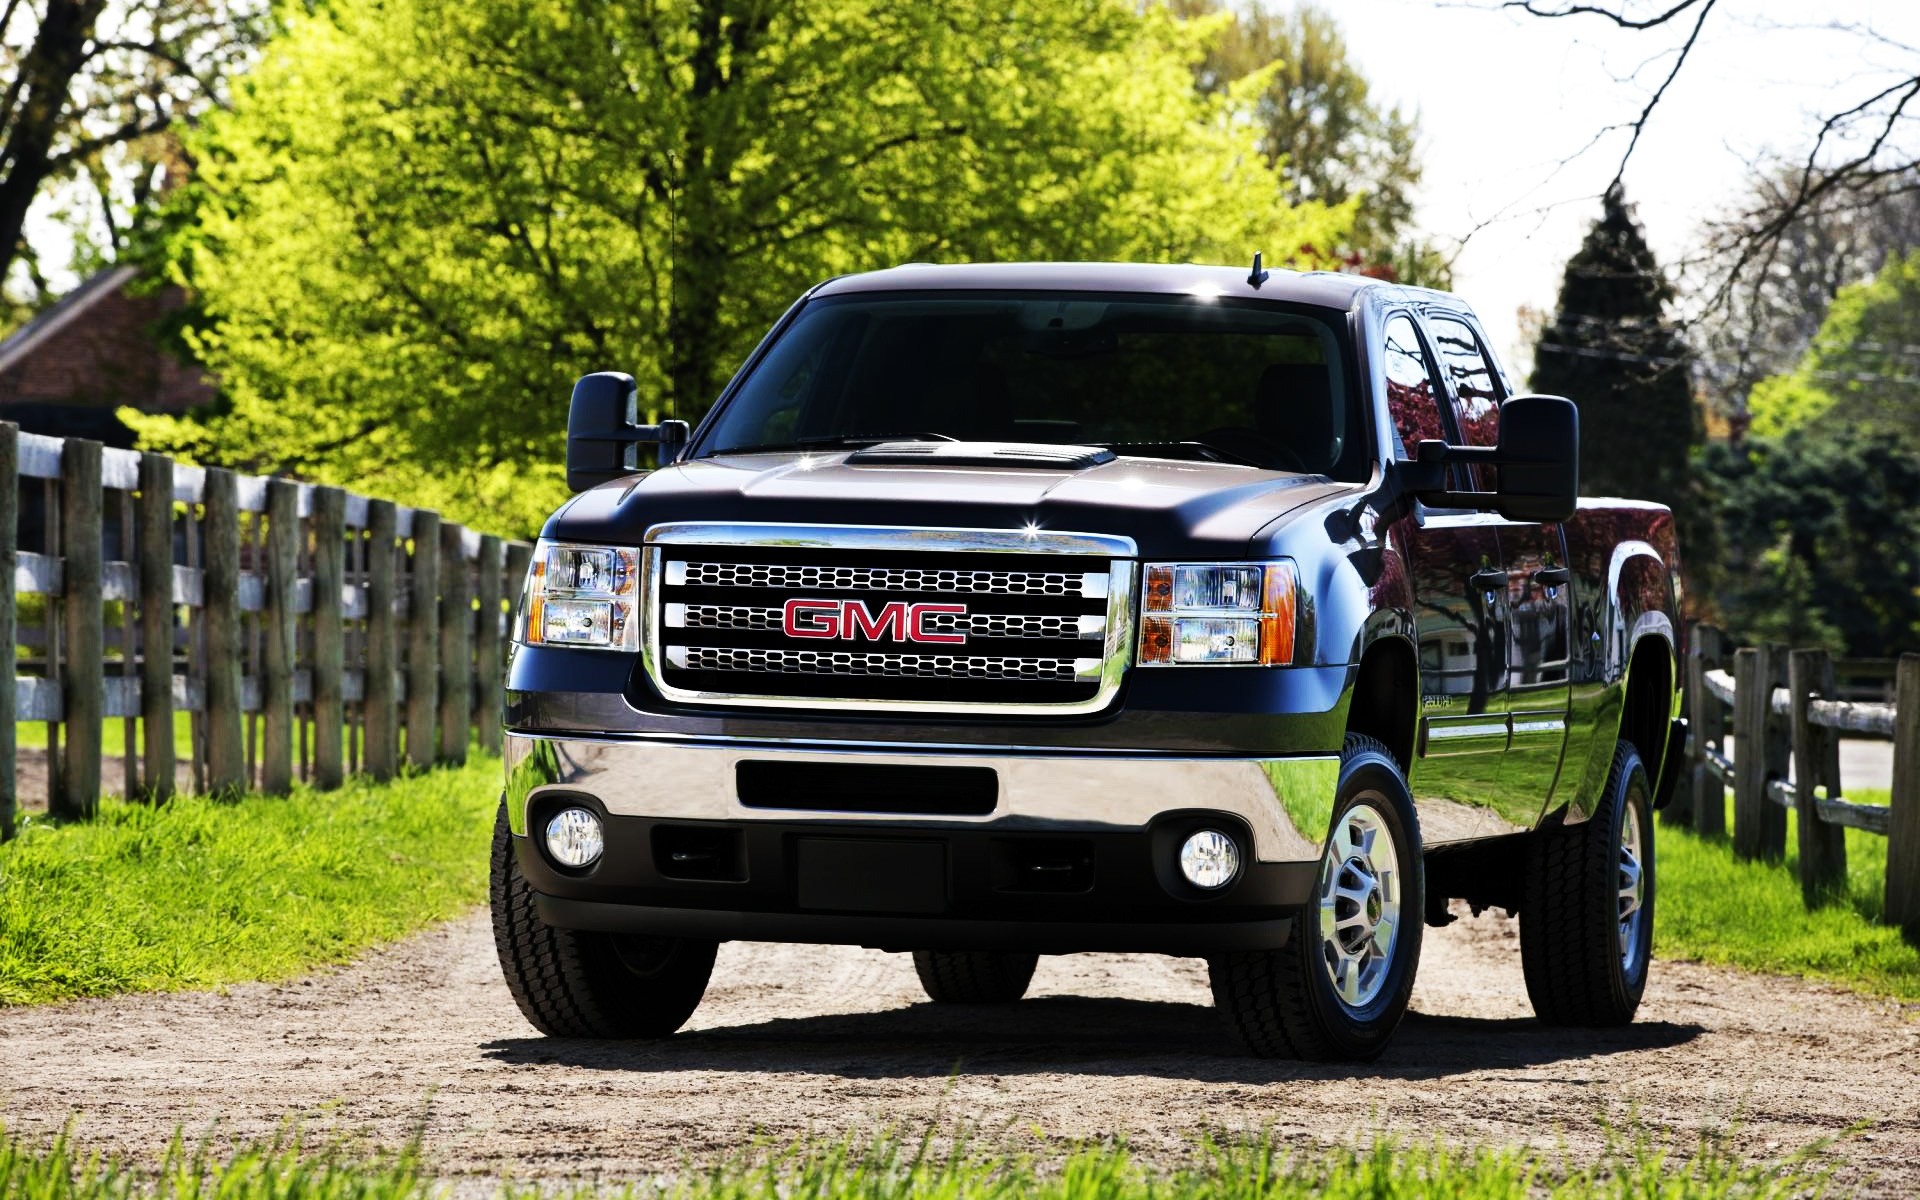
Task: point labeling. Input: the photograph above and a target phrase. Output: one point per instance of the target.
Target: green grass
(199, 892)
(1717, 909)
(893, 1168)
(113, 735)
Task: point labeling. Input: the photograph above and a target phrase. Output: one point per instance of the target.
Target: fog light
(574, 837)
(1209, 859)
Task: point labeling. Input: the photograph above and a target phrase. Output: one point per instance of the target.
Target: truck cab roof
(1327, 289)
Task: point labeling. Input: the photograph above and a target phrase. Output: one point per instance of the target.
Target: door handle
(1552, 576)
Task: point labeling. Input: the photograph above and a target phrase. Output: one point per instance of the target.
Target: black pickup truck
(1005, 610)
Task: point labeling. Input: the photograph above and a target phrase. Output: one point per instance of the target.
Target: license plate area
(871, 875)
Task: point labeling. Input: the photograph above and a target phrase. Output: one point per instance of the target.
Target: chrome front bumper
(1286, 802)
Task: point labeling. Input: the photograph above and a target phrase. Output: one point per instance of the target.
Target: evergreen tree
(1612, 351)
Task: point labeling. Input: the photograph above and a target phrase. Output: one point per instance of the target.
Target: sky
(1504, 99)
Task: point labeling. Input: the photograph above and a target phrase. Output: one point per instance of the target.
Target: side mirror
(1537, 461)
(601, 432)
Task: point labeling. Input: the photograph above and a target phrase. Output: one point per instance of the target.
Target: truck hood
(1170, 508)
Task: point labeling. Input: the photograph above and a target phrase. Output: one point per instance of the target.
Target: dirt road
(793, 1040)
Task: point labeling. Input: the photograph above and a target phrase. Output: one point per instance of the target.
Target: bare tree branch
(1653, 101)
(1534, 8)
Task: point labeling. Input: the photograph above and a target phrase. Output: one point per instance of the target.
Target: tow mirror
(1537, 462)
(601, 433)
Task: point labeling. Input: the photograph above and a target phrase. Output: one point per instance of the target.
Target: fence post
(1705, 652)
(277, 632)
(9, 623)
(83, 683)
(519, 562)
(486, 658)
(423, 642)
(155, 558)
(456, 646)
(226, 742)
(1759, 825)
(382, 706)
(329, 636)
(1903, 826)
(1816, 762)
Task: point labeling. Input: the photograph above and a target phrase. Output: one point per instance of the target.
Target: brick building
(65, 371)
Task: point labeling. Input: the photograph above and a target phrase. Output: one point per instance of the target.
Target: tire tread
(974, 976)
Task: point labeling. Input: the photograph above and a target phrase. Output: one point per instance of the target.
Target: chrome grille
(995, 625)
(926, 620)
(905, 666)
(884, 579)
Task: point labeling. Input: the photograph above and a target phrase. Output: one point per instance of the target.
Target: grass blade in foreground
(891, 1168)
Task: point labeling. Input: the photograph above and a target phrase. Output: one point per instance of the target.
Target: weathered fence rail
(307, 632)
(1787, 721)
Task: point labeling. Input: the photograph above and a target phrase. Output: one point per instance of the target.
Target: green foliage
(199, 892)
(890, 1167)
(1320, 124)
(1717, 909)
(1860, 370)
(423, 219)
(1610, 348)
(1817, 538)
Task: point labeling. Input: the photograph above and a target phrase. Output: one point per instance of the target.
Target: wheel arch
(1386, 695)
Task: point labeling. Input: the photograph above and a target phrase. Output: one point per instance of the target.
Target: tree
(1862, 367)
(422, 219)
(1320, 125)
(1767, 322)
(1818, 531)
(1858, 157)
(95, 92)
(1610, 347)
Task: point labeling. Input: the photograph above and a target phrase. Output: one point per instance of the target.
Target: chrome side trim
(1117, 584)
(1287, 802)
(888, 537)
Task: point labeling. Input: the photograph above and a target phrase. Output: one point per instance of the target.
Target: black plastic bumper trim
(914, 933)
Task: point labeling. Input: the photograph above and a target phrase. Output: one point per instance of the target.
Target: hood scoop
(980, 454)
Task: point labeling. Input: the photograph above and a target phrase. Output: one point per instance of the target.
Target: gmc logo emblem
(850, 619)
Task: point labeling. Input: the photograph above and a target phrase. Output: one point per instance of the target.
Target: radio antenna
(1259, 274)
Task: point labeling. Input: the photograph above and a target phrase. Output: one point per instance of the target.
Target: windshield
(1169, 377)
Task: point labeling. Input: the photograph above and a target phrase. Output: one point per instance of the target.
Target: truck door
(1459, 584)
(1533, 596)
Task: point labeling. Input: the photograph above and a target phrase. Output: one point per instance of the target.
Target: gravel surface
(795, 1040)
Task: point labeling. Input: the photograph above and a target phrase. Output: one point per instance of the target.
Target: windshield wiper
(833, 441)
(1189, 449)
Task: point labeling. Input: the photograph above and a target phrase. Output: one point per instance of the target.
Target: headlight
(582, 596)
(1226, 613)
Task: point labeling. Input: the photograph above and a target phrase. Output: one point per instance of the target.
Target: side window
(1475, 388)
(1411, 399)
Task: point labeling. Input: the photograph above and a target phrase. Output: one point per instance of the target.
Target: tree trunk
(724, 43)
(60, 49)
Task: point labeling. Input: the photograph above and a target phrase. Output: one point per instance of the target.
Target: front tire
(1341, 984)
(576, 983)
(974, 976)
(1586, 920)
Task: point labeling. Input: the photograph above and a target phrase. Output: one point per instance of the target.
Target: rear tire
(1586, 920)
(1334, 991)
(974, 976)
(576, 983)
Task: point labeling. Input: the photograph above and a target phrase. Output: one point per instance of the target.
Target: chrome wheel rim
(1359, 906)
(1631, 880)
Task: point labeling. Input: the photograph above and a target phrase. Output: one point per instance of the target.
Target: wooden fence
(308, 632)
(1786, 712)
